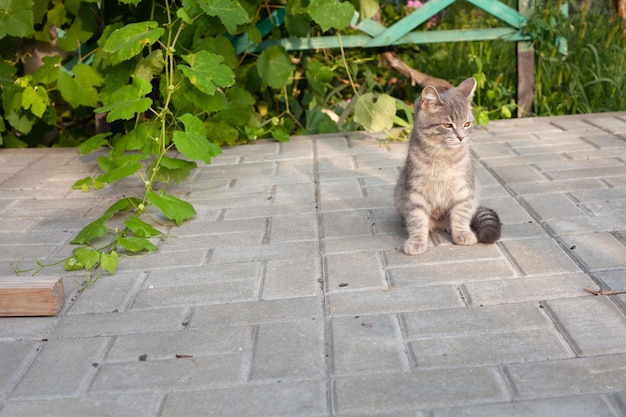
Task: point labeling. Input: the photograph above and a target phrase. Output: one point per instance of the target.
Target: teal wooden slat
(502, 12)
(242, 42)
(410, 22)
(362, 41)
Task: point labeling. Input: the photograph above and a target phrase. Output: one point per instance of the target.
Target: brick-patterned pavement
(288, 295)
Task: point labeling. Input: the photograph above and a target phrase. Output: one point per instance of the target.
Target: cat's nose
(460, 138)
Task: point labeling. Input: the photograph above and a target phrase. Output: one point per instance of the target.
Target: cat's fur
(438, 188)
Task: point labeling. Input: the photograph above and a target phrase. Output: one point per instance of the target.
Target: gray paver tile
(192, 342)
(242, 271)
(527, 289)
(539, 256)
(421, 389)
(346, 223)
(280, 250)
(120, 323)
(294, 227)
(257, 312)
(111, 294)
(67, 358)
(354, 270)
(569, 377)
(101, 405)
(291, 278)
(353, 303)
(289, 350)
(168, 374)
(489, 349)
(594, 324)
(280, 399)
(554, 407)
(451, 273)
(598, 251)
(367, 344)
(553, 206)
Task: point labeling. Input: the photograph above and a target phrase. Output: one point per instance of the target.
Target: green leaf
(193, 142)
(126, 102)
(206, 71)
(83, 184)
(280, 134)
(80, 90)
(124, 204)
(173, 169)
(49, 71)
(109, 261)
(172, 207)
(89, 258)
(275, 66)
(229, 12)
(375, 116)
(129, 40)
(368, 8)
(117, 174)
(36, 99)
(93, 230)
(141, 228)
(93, 143)
(331, 13)
(72, 264)
(16, 18)
(150, 65)
(136, 244)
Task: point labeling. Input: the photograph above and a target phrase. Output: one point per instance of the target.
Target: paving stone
(187, 295)
(539, 256)
(175, 258)
(289, 350)
(601, 172)
(553, 206)
(291, 278)
(120, 323)
(517, 173)
(14, 359)
(207, 341)
(102, 405)
(527, 289)
(339, 189)
(607, 207)
(525, 230)
(508, 209)
(279, 250)
(354, 270)
(242, 271)
(354, 303)
(62, 368)
(451, 273)
(26, 328)
(108, 294)
(366, 344)
(295, 193)
(588, 224)
(458, 322)
(598, 251)
(168, 373)
(421, 389)
(257, 312)
(268, 211)
(281, 399)
(560, 186)
(615, 280)
(594, 324)
(612, 124)
(445, 253)
(489, 349)
(554, 407)
(568, 377)
(294, 227)
(335, 163)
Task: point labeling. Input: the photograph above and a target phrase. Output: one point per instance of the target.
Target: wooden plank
(31, 296)
(525, 69)
(408, 23)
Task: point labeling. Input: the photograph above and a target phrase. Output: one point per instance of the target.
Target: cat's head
(446, 116)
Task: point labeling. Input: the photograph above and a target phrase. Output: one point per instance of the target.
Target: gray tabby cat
(438, 188)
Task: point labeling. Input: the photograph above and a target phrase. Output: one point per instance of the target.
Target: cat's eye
(467, 124)
(448, 125)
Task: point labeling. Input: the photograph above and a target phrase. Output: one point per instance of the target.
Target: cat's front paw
(415, 247)
(464, 238)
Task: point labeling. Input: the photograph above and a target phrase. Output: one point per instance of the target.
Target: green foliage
(590, 77)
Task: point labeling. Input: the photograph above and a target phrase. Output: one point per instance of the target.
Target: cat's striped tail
(486, 225)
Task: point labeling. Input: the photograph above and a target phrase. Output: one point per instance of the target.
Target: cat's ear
(467, 88)
(430, 99)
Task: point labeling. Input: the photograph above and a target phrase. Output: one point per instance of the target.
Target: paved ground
(288, 294)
